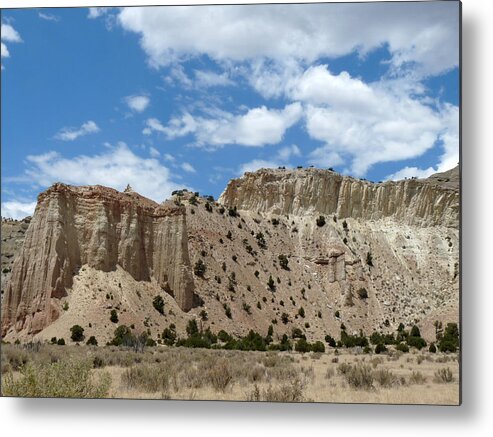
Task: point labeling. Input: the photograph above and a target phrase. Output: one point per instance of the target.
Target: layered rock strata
(103, 228)
(299, 192)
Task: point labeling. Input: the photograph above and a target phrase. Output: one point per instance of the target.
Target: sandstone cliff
(101, 228)
(387, 253)
(304, 191)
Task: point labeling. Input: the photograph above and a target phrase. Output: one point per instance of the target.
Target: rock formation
(101, 228)
(384, 254)
(311, 190)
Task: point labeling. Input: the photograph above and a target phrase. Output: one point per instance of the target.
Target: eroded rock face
(100, 227)
(428, 202)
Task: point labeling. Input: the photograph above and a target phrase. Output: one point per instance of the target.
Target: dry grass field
(201, 374)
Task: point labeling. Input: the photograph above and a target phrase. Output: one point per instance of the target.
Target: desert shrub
(77, 333)
(329, 373)
(92, 341)
(291, 392)
(450, 339)
(261, 240)
(169, 336)
(192, 327)
(359, 376)
(247, 308)
(223, 336)
(271, 284)
(158, 304)
(432, 348)
(415, 332)
(227, 311)
(363, 293)
(369, 259)
(123, 336)
(417, 342)
(301, 312)
(385, 377)
(302, 346)
(150, 342)
(60, 342)
(403, 347)
(353, 340)
(380, 348)
(330, 341)
(203, 315)
(114, 316)
(199, 268)
(219, 376)
(64, 379)
(283, 262)
(318, 346)
(148, 378)
(417, 378)
(297, 333)
(444, 376)
(284, 318)
(320, 221)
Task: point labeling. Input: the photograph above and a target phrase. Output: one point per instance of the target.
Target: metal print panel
(239, 202)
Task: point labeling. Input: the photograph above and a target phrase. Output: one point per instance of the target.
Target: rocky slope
(387, 253)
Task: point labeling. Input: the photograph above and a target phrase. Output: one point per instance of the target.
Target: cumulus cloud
(71, 134)
(282, 158)
(257, 127)
(17, 210)
(114, 168)
(362, 124)
(423, 34)
(10, 35)
(137, 103)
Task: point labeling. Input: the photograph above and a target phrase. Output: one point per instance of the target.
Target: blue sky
(172, 97)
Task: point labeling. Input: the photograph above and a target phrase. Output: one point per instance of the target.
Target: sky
(164, 98)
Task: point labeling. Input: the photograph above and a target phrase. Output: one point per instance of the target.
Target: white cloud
(449, 138)
(137, 103)
(420, 33)
(257, 127)
(362, 124)
(208, 79)
(409, 172)
(71, 134)
(9, 34)
(5, 51)
(154, 152)
(97, 12)
(114, 168)
(17, 210)
(48, 17)
(282, 158)
(188, 167)
(201, 79)
(168, 157)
